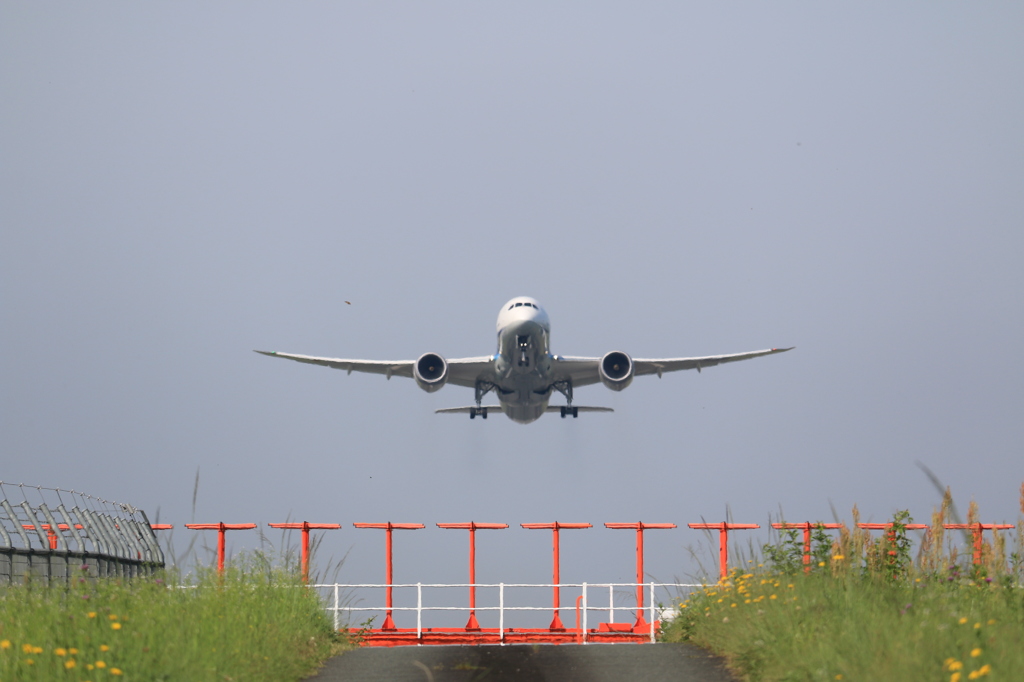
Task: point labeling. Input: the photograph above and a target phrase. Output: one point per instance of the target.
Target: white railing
(336, 608)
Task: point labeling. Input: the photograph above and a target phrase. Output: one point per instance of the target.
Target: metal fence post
(501, 613)
(336, 605)
(584, 613)
(419, 611)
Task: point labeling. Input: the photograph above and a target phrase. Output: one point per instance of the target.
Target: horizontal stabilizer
(472, 408)
(580, 408)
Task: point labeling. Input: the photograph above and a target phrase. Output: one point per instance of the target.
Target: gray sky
(182, 183)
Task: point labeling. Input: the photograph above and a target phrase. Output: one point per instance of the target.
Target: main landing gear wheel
(482, 411)
(569, 409)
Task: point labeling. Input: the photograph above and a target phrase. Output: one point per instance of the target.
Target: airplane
(524, 374)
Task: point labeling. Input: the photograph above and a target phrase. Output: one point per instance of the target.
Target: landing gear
(474, 411)
(524, 347)
(482, 389)
(565, 388)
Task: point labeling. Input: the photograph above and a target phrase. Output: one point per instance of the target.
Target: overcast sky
(183, 183)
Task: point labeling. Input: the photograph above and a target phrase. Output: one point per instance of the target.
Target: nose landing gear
(524, 347)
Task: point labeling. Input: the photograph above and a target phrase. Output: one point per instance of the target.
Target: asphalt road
(526, 663)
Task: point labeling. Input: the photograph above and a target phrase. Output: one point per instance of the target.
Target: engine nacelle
(616, 370)
(430, 372)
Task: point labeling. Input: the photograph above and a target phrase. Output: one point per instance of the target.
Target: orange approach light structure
(976, 530)
(472, 527)
(389, 623)
(556, 622)
(221, 529)
(723, 540)
(807, 527)
(305, 527)
(640, 527)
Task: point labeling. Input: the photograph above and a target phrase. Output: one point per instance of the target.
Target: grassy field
(252, 624)
(867, 610)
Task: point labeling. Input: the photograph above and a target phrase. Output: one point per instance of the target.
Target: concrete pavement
(526, 663)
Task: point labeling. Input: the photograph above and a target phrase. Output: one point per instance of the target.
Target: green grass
(867, 610)
(845, 627)
(252, 624)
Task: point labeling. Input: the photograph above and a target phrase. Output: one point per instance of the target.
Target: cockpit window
(518, 304)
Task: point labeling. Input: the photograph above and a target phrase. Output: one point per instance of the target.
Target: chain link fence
(56, 535)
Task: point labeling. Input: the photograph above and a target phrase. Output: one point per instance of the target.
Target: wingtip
(265, 352)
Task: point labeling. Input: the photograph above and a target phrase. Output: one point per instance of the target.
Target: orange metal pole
(723, 540)
(389, 621)
(472, 528)
(305, 528)
(807, 526)
(640, 575)
(639, 527)
(977, 529)
(556, 622)
(221, 529)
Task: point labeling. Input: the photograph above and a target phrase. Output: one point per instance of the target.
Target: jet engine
(430, 372)
(616, 370)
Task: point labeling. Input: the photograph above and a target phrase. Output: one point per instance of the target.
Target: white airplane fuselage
(523, 363)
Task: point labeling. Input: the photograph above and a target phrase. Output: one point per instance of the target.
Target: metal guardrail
(583, 605)
(54, 534)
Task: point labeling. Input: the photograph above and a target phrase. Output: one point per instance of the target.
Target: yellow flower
(60, 652)
(975, 652)
(956, 665)
(5, 644)
(116, 671)
(73, 651)
(115, 626)
(977, 625)
(839, 677)
(69, 664)
(773, 597)
(955, 677)
(962, 620)
(29, 661)
(984, 670)
(101, 664)
(992, 621)
(37, 649)
(838, 557)
(821, 564)
(89, 666)
(733, 605)
(104, 647)
(112, 616)
(91, 614)
(27, 648)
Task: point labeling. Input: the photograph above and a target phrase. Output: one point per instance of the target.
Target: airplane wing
(583, 371)
(461, 371)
